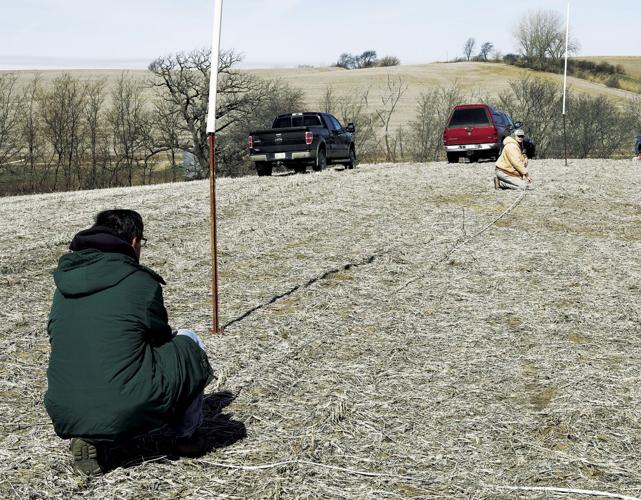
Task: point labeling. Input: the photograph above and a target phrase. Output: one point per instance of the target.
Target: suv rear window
(468, 117)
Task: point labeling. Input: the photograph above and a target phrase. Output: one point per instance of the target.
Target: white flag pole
(565, 79)
(211, 135)
(213, 79)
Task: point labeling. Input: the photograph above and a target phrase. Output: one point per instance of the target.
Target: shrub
(389, 61)
(613, 82)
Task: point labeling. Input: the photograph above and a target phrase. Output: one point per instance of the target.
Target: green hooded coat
(115, 370)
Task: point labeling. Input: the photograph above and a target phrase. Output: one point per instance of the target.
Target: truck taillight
(250, 142)
(308, 138)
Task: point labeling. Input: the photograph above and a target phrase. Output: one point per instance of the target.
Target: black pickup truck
(297, 140)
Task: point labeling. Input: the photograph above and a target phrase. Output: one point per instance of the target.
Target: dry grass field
(475, 79)
(631, 64)
(393, 331)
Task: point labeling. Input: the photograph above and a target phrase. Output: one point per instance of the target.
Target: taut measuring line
(211, 135)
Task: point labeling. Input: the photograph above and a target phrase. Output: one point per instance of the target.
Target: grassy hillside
(393, 331)
(631, 64)
(476, 79)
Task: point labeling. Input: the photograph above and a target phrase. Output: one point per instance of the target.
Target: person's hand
(529, 179)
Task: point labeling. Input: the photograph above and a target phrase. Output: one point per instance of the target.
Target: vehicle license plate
(280, 156)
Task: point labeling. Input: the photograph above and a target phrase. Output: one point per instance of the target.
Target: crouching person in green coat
(116, 370)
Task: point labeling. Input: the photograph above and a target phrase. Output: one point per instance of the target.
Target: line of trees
(368, 59)
(484, 51)
(73, 133)
(597, 127)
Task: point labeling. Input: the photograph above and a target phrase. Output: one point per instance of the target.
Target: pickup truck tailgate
(274, 139)
(470, 135)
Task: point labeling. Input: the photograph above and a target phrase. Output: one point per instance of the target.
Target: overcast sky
(280, 33)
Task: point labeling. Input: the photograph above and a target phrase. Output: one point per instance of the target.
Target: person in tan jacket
(511, 167)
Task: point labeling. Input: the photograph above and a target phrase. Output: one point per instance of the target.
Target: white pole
(565, 82)
(213, 80)
(565, 72)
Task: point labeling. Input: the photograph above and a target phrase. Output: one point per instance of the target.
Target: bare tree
(167, 123)
(485, 50)
(346, 61)
(353, 108)
(468, 48)
(183, 79)
(595, 127)
(367, 59)
(62, 108)
(536, 102)
(95, 92)
(129, 124)
(392, 94)
(541, 35)
(11, 109)
(432, 111)
(30, 134)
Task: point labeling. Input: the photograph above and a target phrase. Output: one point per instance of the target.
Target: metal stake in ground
(211, 135)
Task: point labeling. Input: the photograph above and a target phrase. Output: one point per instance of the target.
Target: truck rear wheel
(321, 161)
(452, 158)
(352, 159)
(263, 168)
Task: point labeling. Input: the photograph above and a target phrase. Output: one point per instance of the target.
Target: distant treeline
(83, 133)
(596, 126)
(600, 71)
(76, 133)
(367, 59)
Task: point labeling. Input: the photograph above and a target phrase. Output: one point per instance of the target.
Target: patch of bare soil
(390, 332)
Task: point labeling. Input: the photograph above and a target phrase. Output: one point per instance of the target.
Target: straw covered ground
(392, 331)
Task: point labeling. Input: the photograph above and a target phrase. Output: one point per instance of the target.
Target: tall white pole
(565, 81)
(565, 72)
(215, 54)
(211, 136)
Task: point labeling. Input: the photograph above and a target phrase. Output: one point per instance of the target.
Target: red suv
(477, 131)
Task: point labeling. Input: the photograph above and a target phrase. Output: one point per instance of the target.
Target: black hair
(127, 224)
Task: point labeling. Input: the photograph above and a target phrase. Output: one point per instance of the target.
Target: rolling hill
(475, 79)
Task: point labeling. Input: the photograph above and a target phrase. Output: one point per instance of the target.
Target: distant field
(475, 79)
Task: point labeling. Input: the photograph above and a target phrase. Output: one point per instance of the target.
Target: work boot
(85, 457)
(193, 446)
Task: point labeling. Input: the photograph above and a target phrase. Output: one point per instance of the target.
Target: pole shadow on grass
(219, 429)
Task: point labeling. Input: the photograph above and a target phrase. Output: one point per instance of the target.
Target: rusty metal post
(214, 240)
